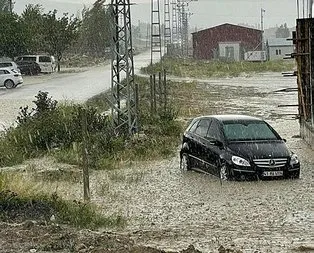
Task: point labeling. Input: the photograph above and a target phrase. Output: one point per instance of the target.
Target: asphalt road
(70, 86)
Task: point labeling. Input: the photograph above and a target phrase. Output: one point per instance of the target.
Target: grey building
(278, 48)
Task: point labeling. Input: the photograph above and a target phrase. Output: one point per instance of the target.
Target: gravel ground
(170, 210)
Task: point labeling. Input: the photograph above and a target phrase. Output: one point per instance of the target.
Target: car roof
(231, 117)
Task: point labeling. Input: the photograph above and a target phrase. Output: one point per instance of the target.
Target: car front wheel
(185, 162)
(9, 84)
(224, 172)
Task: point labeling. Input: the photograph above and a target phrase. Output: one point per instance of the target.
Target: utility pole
(183, 25)
(310, 8)
(124, 92)
(262, 27)
(155, 32)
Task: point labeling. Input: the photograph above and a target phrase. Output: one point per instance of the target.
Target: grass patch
(18, 204)
(203, 69)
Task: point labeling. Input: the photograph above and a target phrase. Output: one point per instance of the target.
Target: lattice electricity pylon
(167, 24)
(179, 14)
(185, 31)
(174, 22)
(123, 88)
(155, 32)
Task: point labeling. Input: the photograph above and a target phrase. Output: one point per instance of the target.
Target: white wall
(279, 52)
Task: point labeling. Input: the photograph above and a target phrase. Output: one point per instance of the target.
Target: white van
(46, 62)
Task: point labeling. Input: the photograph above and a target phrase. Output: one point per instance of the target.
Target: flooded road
(169, 209)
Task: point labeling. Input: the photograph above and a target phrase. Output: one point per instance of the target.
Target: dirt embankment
(31, 236)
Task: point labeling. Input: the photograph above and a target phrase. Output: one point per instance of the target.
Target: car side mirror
(217, 143)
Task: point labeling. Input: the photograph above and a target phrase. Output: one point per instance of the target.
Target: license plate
(273, 173)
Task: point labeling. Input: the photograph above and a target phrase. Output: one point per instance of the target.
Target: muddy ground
(170, 210)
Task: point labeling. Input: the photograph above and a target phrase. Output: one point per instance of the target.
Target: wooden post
(160, 97)
(154, 92)
(151, 95)
(165, 89)
(85, 157)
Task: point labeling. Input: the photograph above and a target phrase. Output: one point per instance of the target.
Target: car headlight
(240, 161)
(294, 159)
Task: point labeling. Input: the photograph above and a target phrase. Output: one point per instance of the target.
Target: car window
(214, 131)
(242, 131)
(193, 127)
(29, 58)
(4, 72)
(5, 64)
(202, 127)
(44, 59)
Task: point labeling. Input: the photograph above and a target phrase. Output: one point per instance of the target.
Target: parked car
(28, 67)
(46, 62)
(10, 78)
(9, 64)
(237, 147)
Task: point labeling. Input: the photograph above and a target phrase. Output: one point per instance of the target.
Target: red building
(226, 41)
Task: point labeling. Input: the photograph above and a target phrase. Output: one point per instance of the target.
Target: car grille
(271, 162)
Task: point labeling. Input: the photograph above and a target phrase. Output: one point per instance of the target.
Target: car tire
(225, 172)
(9, 84)
(185, 162)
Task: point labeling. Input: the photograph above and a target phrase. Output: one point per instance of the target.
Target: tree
(12, 35)
(59, 33)
(283, 31)
(32, 17)
(95, 30)
(6, 5)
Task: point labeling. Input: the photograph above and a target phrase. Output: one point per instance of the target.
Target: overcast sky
(204, 13)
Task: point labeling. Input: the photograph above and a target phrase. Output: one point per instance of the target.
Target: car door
(190, 144)
(215, 146)
(201, 143)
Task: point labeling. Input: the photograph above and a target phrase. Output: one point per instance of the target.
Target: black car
(28, 67)
(237, 147)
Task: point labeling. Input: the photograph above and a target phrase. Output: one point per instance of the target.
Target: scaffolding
(124, 90)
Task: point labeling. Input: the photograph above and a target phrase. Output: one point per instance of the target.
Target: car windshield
(28, 58)
(248, 131)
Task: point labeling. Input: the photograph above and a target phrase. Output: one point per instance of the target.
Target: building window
(278, 51)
